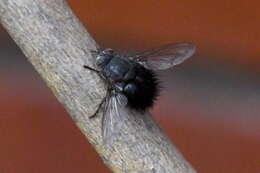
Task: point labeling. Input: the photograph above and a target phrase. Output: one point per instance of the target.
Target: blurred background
(209, 107)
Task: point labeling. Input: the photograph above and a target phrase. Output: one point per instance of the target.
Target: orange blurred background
(210, 105)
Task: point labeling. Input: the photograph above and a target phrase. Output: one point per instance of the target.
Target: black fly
(131, 81)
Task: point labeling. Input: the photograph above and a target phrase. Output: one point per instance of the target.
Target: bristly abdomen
(143, 90)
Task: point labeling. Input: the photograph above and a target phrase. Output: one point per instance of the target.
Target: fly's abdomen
(142, 90)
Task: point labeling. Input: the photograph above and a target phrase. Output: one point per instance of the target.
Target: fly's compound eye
(108, 52)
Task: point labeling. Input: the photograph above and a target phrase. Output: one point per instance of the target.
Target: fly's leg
(91, 69)
(107, 94)
(99, 107)
(104, 100)
(98, 72)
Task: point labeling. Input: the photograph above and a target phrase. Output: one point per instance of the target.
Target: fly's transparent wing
(166, 56)
(114, 117)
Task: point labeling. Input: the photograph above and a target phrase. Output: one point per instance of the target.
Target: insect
(131, 81)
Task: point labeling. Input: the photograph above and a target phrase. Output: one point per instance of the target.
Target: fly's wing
(114, 117)
(166, 56)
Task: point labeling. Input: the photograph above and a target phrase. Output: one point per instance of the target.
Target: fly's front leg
(91, 69)
(100, 74)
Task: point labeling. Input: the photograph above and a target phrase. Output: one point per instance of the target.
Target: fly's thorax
(116, 69)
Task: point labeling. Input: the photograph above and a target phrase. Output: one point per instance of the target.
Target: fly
(132, 82)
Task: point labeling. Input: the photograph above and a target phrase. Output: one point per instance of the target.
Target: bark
(58, 45)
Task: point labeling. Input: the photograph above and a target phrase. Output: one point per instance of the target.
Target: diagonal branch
(58, 45)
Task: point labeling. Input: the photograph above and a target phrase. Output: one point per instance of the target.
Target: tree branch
(58, 45)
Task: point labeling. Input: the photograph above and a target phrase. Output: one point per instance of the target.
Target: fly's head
(103, 57)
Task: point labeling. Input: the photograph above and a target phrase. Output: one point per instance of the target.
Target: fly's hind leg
(99, 107)
(105, 98)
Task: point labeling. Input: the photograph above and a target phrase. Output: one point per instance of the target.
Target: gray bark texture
(58, 45)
